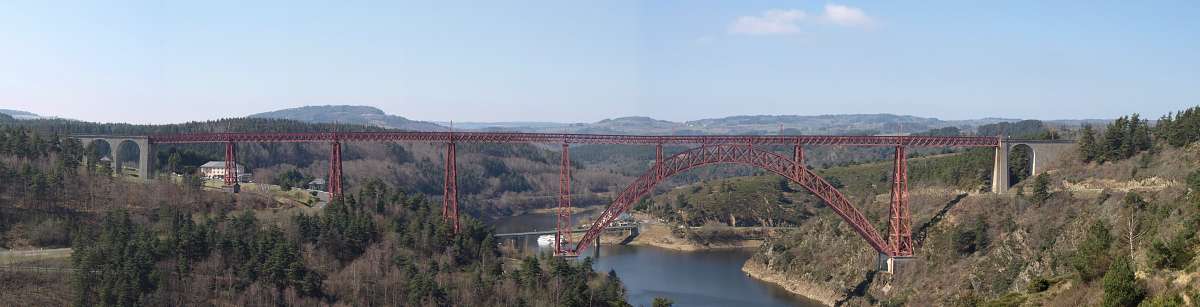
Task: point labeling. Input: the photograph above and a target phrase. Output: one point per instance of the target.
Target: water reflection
(700, 278)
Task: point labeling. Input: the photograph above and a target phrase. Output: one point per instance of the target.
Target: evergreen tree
(1041, 189)
(1193, 182)
(1121, 288)
(1114, 140)
(1020, 164)
(1180, 129)
(1087, 144)
(662, 302)
(1091, 257)
(173, 162)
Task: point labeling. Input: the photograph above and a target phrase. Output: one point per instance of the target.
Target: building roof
(217, 164)
(318, 181)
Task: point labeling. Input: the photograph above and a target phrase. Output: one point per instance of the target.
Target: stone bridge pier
(146, 151)
(1044, 155)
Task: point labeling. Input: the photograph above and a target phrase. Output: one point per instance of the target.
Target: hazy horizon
(167, 62)
(442, 122)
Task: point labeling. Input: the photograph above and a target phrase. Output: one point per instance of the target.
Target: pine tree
(1120, 285)
(1041, 189)
(173, 162)
(1114, 136)
(1141, 136)
(1090, 258)
(1087, 144)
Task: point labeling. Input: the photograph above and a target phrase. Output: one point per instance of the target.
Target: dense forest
(377, 248)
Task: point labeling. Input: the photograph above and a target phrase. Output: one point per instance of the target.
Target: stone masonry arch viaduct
(1044, 155)
(146, 151)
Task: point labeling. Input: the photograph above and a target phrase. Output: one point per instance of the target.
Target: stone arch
(104, 147)
(126, 151)
(1044, 155)
(1021, 163)
(116, 144)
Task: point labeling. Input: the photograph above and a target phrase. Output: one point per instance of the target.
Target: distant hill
(835, 124)
(853, 124)
(17, 114)
(344, 114)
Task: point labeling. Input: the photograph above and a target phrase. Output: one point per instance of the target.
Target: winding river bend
(693, 278)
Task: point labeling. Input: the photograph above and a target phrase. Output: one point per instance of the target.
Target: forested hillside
(1116, 225)
(359, 115)
(136, 243)
(494, 179)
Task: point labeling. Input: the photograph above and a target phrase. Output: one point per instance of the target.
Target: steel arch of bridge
(790, 168)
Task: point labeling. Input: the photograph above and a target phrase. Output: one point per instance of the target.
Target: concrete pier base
(894, 265)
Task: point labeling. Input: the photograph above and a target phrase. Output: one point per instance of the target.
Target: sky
(583, 61)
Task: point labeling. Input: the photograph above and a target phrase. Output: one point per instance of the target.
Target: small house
(216, 169)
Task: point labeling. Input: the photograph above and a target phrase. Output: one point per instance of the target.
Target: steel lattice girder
(555, 138)
(335, 171)
(736, 154)
(563, 223)
(900, 224)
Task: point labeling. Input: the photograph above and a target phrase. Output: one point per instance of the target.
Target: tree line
(1129, 135)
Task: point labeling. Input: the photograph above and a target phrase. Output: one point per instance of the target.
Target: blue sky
(568, 61)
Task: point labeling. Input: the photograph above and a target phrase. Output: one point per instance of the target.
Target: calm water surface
(699, 278)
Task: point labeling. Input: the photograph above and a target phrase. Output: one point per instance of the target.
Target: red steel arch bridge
(706, 150)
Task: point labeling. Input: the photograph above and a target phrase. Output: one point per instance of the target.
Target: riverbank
(807, 289)
(659, 235)
(574, 210)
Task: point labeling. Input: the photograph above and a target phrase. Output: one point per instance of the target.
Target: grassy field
(38, 257)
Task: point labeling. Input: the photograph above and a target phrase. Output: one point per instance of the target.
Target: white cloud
(846, 16)
(769, 22)
(780, 21)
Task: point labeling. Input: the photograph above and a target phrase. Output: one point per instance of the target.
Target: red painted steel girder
(736, 154)
(231, 174)
(563, 225)
(450, 188)
(558, 138)
(900, 225)
(335, 171)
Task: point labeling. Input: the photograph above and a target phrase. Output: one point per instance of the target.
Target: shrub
(1174, 254)
(1193, 181)
(1169, 299)
(1135, 200)
(663, 302)
(1037, 285)
(50, 233)
(971, 238)
(1008, 300)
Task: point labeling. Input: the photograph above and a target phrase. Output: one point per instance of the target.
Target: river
(695, 278)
